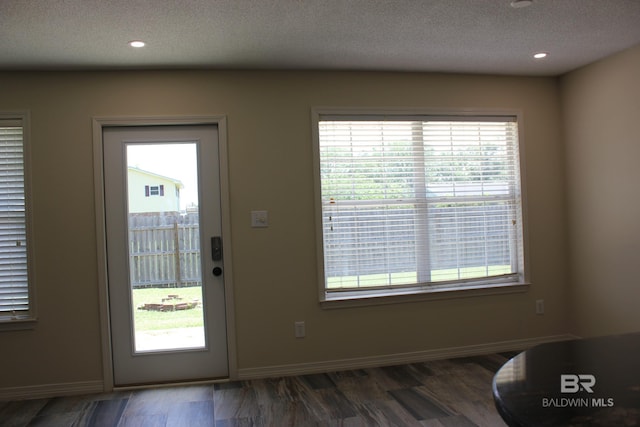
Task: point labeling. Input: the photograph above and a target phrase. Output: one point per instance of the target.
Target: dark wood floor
(444, 393)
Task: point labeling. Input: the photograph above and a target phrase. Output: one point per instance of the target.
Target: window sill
(397, 296)
(17, 324)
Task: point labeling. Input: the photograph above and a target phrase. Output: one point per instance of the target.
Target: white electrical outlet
(540, 306)
(299, 329)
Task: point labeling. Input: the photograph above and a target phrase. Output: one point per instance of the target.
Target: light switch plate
(259, 219)
(299, 327)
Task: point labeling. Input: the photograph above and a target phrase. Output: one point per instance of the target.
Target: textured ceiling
(470, 36)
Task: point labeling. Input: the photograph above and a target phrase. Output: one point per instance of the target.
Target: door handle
(217, 271)
(216, 248)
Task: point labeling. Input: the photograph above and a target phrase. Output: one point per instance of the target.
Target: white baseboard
(51, 390)
(89, 387)
(396, 359)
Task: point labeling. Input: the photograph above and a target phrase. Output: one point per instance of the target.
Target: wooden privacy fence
(164, 250)
(390, 245)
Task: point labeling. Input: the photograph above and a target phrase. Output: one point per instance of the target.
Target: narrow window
(16, 294)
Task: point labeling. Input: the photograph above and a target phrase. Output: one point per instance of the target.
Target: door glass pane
(164, 246)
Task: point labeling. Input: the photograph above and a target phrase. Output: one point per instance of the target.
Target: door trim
(99, 123)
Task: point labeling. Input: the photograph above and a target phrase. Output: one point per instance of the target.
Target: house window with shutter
(153, 190)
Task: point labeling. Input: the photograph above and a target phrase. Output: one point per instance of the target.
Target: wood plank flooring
(445, 393)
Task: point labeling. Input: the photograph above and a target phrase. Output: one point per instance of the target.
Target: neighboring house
(150, 192)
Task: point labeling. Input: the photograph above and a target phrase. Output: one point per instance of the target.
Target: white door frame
(101, 238)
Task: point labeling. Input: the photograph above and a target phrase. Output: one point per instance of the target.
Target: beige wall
(601, 107)
(270, 161)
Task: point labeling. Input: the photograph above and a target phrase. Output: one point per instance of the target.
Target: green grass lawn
(405, 278)
(154, 320)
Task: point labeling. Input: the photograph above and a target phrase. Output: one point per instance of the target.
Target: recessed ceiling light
(136, 43)
(540, 55)
(518, 4)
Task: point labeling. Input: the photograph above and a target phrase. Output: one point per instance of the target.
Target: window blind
(409, 202)
(14, 283)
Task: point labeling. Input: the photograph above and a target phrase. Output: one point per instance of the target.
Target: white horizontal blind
(411, 202)
(14, 283)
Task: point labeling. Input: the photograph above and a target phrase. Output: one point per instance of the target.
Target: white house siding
(139, 202)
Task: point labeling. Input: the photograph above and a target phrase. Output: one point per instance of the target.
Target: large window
(16, 303)
(418, 203)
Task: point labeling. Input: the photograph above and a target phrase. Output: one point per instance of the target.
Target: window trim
(351, 298)
(27, 319)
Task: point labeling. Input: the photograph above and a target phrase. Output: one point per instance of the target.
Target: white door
(164, 253)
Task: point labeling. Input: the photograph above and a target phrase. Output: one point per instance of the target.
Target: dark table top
(589, 382)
